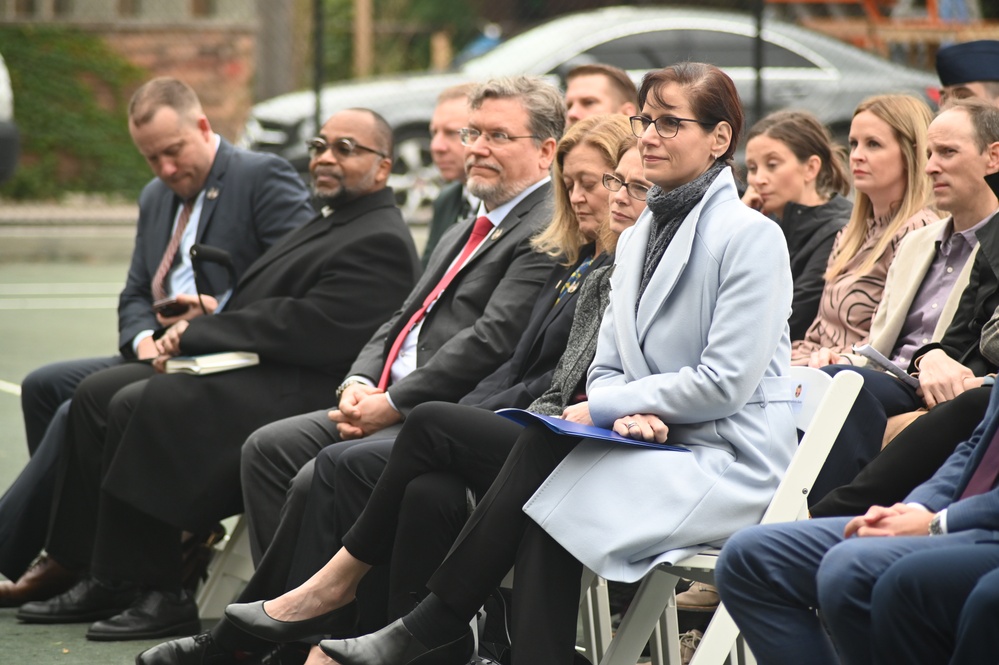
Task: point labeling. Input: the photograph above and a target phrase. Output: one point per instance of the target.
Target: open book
(878, 359)
(560, 426)
(211, 363)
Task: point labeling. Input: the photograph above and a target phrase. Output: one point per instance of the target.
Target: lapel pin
(212, 194)
(497, 233)
(326, 211)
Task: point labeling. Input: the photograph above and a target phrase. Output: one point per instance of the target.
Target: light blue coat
(709, 354)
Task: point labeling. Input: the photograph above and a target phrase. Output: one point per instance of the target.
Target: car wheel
(414, 177)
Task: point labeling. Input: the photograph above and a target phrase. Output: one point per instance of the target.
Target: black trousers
(860, 439)
(418, 505)
(26, 505)
(910, 459)
(90, 528)
(498, 537)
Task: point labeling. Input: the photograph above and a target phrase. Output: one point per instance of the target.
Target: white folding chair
(229, 571)
(825, 403)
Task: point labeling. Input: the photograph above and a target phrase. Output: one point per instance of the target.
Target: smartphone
(169, 307)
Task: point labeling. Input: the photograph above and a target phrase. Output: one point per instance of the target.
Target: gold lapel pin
(212, 194)
(497, 233)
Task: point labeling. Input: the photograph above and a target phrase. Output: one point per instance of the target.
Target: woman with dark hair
(693, 345)
(797, 177)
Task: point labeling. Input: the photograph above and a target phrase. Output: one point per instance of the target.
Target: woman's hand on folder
(645, 427)
(578, 413)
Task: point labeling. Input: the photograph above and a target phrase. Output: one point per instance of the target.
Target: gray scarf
(669, 209)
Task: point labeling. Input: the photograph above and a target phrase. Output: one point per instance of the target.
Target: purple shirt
(952, 251)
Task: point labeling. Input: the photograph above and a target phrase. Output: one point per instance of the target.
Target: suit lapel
(624, 289)
(213, 186)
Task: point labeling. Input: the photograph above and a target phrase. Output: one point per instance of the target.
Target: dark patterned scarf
(669, 209)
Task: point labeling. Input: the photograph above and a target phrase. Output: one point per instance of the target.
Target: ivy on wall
(70, 100)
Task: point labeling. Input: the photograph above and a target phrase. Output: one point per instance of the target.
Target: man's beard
(334, 196)
(493, 194)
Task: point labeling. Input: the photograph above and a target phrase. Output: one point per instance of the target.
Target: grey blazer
(477, 321)
(709, 353)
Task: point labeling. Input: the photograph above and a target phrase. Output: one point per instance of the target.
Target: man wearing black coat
(155, 454)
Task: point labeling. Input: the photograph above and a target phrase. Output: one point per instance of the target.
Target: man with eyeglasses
(205, 190)
(153, 454)
(454, 204)
(460, 323)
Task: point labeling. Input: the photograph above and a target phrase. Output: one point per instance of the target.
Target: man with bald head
(151, 455)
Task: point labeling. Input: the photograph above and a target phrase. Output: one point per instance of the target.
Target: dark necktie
(159, 292)
(482, 227)
(984, 477)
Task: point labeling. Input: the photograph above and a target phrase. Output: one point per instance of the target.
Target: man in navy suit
(773, 577)
(241, 202)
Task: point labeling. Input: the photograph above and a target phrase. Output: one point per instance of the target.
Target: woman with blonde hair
(887, 160)
(797, 177)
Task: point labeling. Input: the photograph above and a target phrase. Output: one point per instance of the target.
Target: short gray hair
(542, 101)
(984, 119)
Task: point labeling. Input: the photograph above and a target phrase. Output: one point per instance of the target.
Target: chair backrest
(825, 403)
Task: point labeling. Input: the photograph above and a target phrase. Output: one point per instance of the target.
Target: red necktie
(171, 251)
(984, 477)
(482, 227)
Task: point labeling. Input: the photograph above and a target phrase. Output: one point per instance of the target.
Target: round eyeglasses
(469, 136)
(667, 126)
(635, 190)
(341, 147)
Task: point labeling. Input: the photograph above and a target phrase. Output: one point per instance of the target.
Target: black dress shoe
(153, 614)
(198, 650)
(252, 618)
(89, 600)
(395, 645)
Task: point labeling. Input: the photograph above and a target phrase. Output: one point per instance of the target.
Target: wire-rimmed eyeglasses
(341, 147)
(667, 126)
(469, 136)
(635, 190)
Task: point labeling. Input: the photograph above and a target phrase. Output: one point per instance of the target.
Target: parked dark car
(803, 69)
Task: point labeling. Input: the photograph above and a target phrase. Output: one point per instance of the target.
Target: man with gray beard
(151, 454)
(461, 321)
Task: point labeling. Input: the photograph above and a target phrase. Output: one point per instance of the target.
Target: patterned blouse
(848, 302)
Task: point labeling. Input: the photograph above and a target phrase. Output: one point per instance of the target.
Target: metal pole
(317, 63)
(758, 61)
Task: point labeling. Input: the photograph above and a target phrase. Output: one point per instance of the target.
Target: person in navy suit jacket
(243, 203)
(854, 570)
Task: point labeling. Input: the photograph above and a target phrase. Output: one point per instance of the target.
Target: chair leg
(641, 618)
(228, 573)
(719, 638)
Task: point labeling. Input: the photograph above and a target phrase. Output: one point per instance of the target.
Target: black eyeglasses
(666, 126)
(469, 136)
(635, 190)
(341, 147)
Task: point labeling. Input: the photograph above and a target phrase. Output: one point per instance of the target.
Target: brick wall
(217, 61)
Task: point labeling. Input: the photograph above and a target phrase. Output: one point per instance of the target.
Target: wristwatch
(343, 386)
(935, 529)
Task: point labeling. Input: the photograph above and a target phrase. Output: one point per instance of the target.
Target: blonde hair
(908, 117)
(562, 237)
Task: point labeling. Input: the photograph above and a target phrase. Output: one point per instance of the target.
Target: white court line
(7, 387)
(58, 303)
(60, 288)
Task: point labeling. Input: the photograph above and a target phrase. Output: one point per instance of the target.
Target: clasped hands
(363, 410)
(168, 345)
(900, 519)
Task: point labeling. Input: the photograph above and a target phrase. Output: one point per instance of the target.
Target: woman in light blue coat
(694, 348)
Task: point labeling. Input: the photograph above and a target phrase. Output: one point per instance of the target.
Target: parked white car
(802, 69)
(8, 130)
